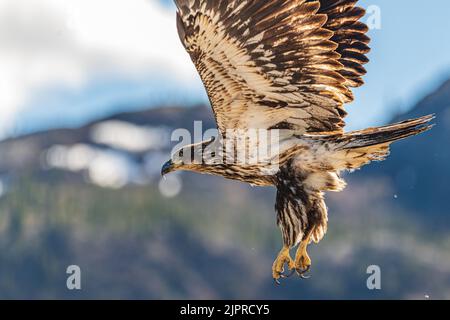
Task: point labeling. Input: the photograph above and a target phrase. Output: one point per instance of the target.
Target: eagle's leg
(302, 262)
(283, 259)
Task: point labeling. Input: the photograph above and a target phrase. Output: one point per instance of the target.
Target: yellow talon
(278, 265)
(302, 259)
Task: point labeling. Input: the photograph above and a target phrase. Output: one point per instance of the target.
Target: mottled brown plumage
(286, 66)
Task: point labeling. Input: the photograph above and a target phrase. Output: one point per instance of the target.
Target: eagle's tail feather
(355, 149)
(387, 134)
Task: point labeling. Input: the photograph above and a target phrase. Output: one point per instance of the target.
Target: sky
(66, 62)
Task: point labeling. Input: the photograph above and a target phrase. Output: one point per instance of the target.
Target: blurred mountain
(120, 133)
(93, 196)
(419, 168)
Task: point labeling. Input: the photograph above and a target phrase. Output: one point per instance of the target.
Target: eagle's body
(286, 66)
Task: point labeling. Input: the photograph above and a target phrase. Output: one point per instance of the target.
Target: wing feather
(286, 64)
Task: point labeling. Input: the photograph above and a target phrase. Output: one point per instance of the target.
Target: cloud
(54, 43)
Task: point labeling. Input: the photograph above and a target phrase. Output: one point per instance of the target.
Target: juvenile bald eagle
(286, 65)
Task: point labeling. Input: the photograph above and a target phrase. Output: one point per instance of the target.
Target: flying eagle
(286, 65)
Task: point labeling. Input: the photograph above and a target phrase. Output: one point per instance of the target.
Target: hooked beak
(167, 168)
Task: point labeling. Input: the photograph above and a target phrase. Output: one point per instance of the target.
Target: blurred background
(90, 92)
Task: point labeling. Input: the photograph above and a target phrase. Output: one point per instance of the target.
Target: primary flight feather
(285, 66)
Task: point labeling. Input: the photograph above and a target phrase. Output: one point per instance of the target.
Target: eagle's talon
(305, 277)
(279, 264)
(301, 271)
(302, 260)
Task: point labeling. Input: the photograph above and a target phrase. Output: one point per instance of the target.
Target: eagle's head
(190, 157)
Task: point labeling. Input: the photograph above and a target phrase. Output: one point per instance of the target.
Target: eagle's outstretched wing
(287, 64)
